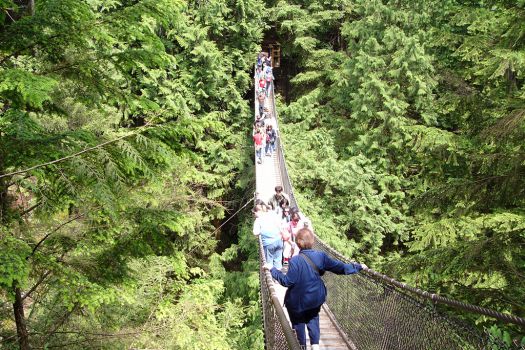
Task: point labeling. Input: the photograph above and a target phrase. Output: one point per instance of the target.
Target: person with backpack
(306, 291)
(271, 137)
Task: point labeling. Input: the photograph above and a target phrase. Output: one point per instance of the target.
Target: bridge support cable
(378, 312)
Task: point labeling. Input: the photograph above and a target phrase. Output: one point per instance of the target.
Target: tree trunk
(3, 198)
(512, 84)
(3, 186)
(21, 327)
(31, 7)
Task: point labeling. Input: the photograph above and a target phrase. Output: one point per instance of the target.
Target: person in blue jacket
(306, 290)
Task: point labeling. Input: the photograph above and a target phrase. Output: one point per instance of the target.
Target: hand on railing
(267, 266)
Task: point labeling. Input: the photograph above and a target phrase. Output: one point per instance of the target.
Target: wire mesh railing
(278, 334)
(377, 315)
(378, 312)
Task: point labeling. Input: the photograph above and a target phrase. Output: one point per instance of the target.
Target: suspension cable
(231, 217)
(86, 150)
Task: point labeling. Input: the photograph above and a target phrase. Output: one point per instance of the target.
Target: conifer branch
(78, 216)
(89, 149)
(39, 282)
(30, 209)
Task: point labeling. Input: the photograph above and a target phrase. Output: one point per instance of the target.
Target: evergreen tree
(144, 103)
(416, 109)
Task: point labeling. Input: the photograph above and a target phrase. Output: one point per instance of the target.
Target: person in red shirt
(258, 141)
(262, 85)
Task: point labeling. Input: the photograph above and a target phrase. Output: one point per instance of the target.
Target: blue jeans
(273, 253)
(270, 147)
(258, 154)
(310, 319)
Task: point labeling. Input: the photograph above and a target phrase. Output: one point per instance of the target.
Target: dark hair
(278, 188)
(295, 215)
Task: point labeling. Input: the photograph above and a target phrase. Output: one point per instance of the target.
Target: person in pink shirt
(258, 141)
(295, 225)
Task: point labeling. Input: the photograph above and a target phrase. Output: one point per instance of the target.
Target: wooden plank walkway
(267, 177)
(331, 338)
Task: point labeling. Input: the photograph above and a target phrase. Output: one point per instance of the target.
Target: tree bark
(21, 327)
(3, 188)
(31, 7)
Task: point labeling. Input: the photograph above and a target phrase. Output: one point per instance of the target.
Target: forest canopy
(117, 247)
(403, 123)
(404, 129)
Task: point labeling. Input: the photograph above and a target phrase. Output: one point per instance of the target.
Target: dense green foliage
(405, 138)
(116, 247)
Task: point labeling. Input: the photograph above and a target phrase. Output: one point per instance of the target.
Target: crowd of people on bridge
(287, 236)
(287, 239)
(264, 134)
(277, 223)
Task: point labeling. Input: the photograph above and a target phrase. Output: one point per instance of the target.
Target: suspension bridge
(368, 310)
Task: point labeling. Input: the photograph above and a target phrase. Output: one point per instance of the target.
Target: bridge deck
(268, 176)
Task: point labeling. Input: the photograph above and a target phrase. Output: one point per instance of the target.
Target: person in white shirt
(268, 226)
